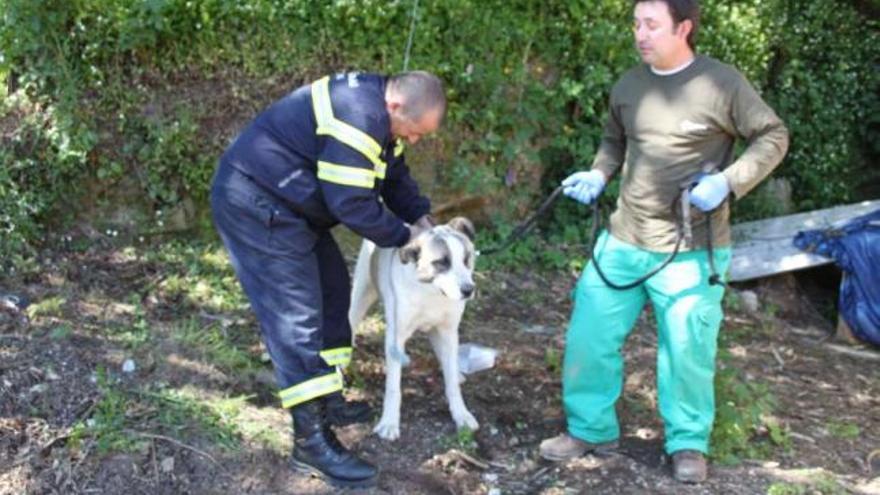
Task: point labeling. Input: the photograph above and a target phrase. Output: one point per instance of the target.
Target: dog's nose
(467, 290)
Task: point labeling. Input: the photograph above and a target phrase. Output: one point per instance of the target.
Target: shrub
(102, 91)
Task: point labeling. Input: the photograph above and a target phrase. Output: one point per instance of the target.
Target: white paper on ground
(475, 357)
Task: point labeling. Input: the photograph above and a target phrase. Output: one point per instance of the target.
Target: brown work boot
(564, 447)
(689, 466)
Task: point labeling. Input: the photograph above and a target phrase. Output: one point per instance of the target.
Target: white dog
(424, 286)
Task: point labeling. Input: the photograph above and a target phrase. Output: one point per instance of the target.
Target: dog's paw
(387, 430)
(464, 419)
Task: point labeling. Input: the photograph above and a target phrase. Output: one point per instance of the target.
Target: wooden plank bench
(763, 247)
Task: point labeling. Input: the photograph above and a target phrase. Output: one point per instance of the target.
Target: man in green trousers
(669, 117)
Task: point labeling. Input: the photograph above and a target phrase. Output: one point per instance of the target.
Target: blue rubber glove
(710, 191)
(584, 187)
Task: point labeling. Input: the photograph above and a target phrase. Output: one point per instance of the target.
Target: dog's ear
(410, 252)
(464, 226)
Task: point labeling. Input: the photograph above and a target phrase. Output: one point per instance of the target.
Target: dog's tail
(363, 288)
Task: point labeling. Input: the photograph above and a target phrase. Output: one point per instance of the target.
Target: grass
(61, 332)
(220, 348)
(51, 306)
(195, 278)
(463, 440)
(136, 333)
(783, 488)
(121, 413)
(827, 484)
(107, 425)
(200, 276)
(846, 431)
(823, 483)
(192, 278)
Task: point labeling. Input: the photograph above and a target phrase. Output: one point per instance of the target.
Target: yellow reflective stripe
(340, 356)
(380, 170)
(321, 102)
(310, 389)
(353, 137)
(331, 126)
(398, 148)
(348, 176)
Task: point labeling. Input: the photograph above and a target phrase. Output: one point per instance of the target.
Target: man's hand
(584, 187)
(710, 191)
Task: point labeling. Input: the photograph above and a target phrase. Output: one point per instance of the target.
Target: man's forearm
(760, 158)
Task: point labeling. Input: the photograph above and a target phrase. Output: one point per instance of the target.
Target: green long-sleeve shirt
(663, 129)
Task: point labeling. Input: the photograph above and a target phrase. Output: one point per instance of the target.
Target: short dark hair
(682, 10)
(422, 91)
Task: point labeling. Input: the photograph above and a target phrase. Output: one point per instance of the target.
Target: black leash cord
(597, 219)
(714, 276)
(524, 228)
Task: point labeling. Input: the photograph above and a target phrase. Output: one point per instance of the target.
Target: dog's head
(444, 257)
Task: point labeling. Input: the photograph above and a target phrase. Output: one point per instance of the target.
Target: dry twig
(471, 460)
(864, 354)
(179, 444)
(778, 357)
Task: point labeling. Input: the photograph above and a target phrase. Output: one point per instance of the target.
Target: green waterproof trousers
(688, 312)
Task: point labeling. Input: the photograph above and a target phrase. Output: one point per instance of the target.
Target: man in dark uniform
(329, 152)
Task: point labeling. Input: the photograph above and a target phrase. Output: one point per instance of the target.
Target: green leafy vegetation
(745, 427)
(463, 440)
(553, 360)
(108, 102)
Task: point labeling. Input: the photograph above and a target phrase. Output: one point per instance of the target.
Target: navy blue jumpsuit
(320, 156)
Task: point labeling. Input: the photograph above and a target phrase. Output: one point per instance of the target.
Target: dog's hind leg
(445, 344)
(363, 290)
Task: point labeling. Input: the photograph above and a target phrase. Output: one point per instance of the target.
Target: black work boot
(342, 413)
(317, 451)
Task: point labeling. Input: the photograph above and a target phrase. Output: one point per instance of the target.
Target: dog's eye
(442, 263)
(467, 259)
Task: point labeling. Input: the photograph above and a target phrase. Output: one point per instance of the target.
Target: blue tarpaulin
(855, 248)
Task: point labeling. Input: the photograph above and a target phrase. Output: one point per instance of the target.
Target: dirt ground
(73, 421)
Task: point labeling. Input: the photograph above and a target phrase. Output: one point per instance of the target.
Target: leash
(683, 228)
(522, 229)
(684, 233)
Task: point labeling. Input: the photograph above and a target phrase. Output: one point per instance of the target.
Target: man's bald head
(418, 92)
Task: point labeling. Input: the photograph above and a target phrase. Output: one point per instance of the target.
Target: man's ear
(393, 105)
(464, 226)
(410, 252)
(684, 28)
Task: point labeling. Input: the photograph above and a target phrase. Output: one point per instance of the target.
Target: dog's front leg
(388, 427)
(445, 344)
